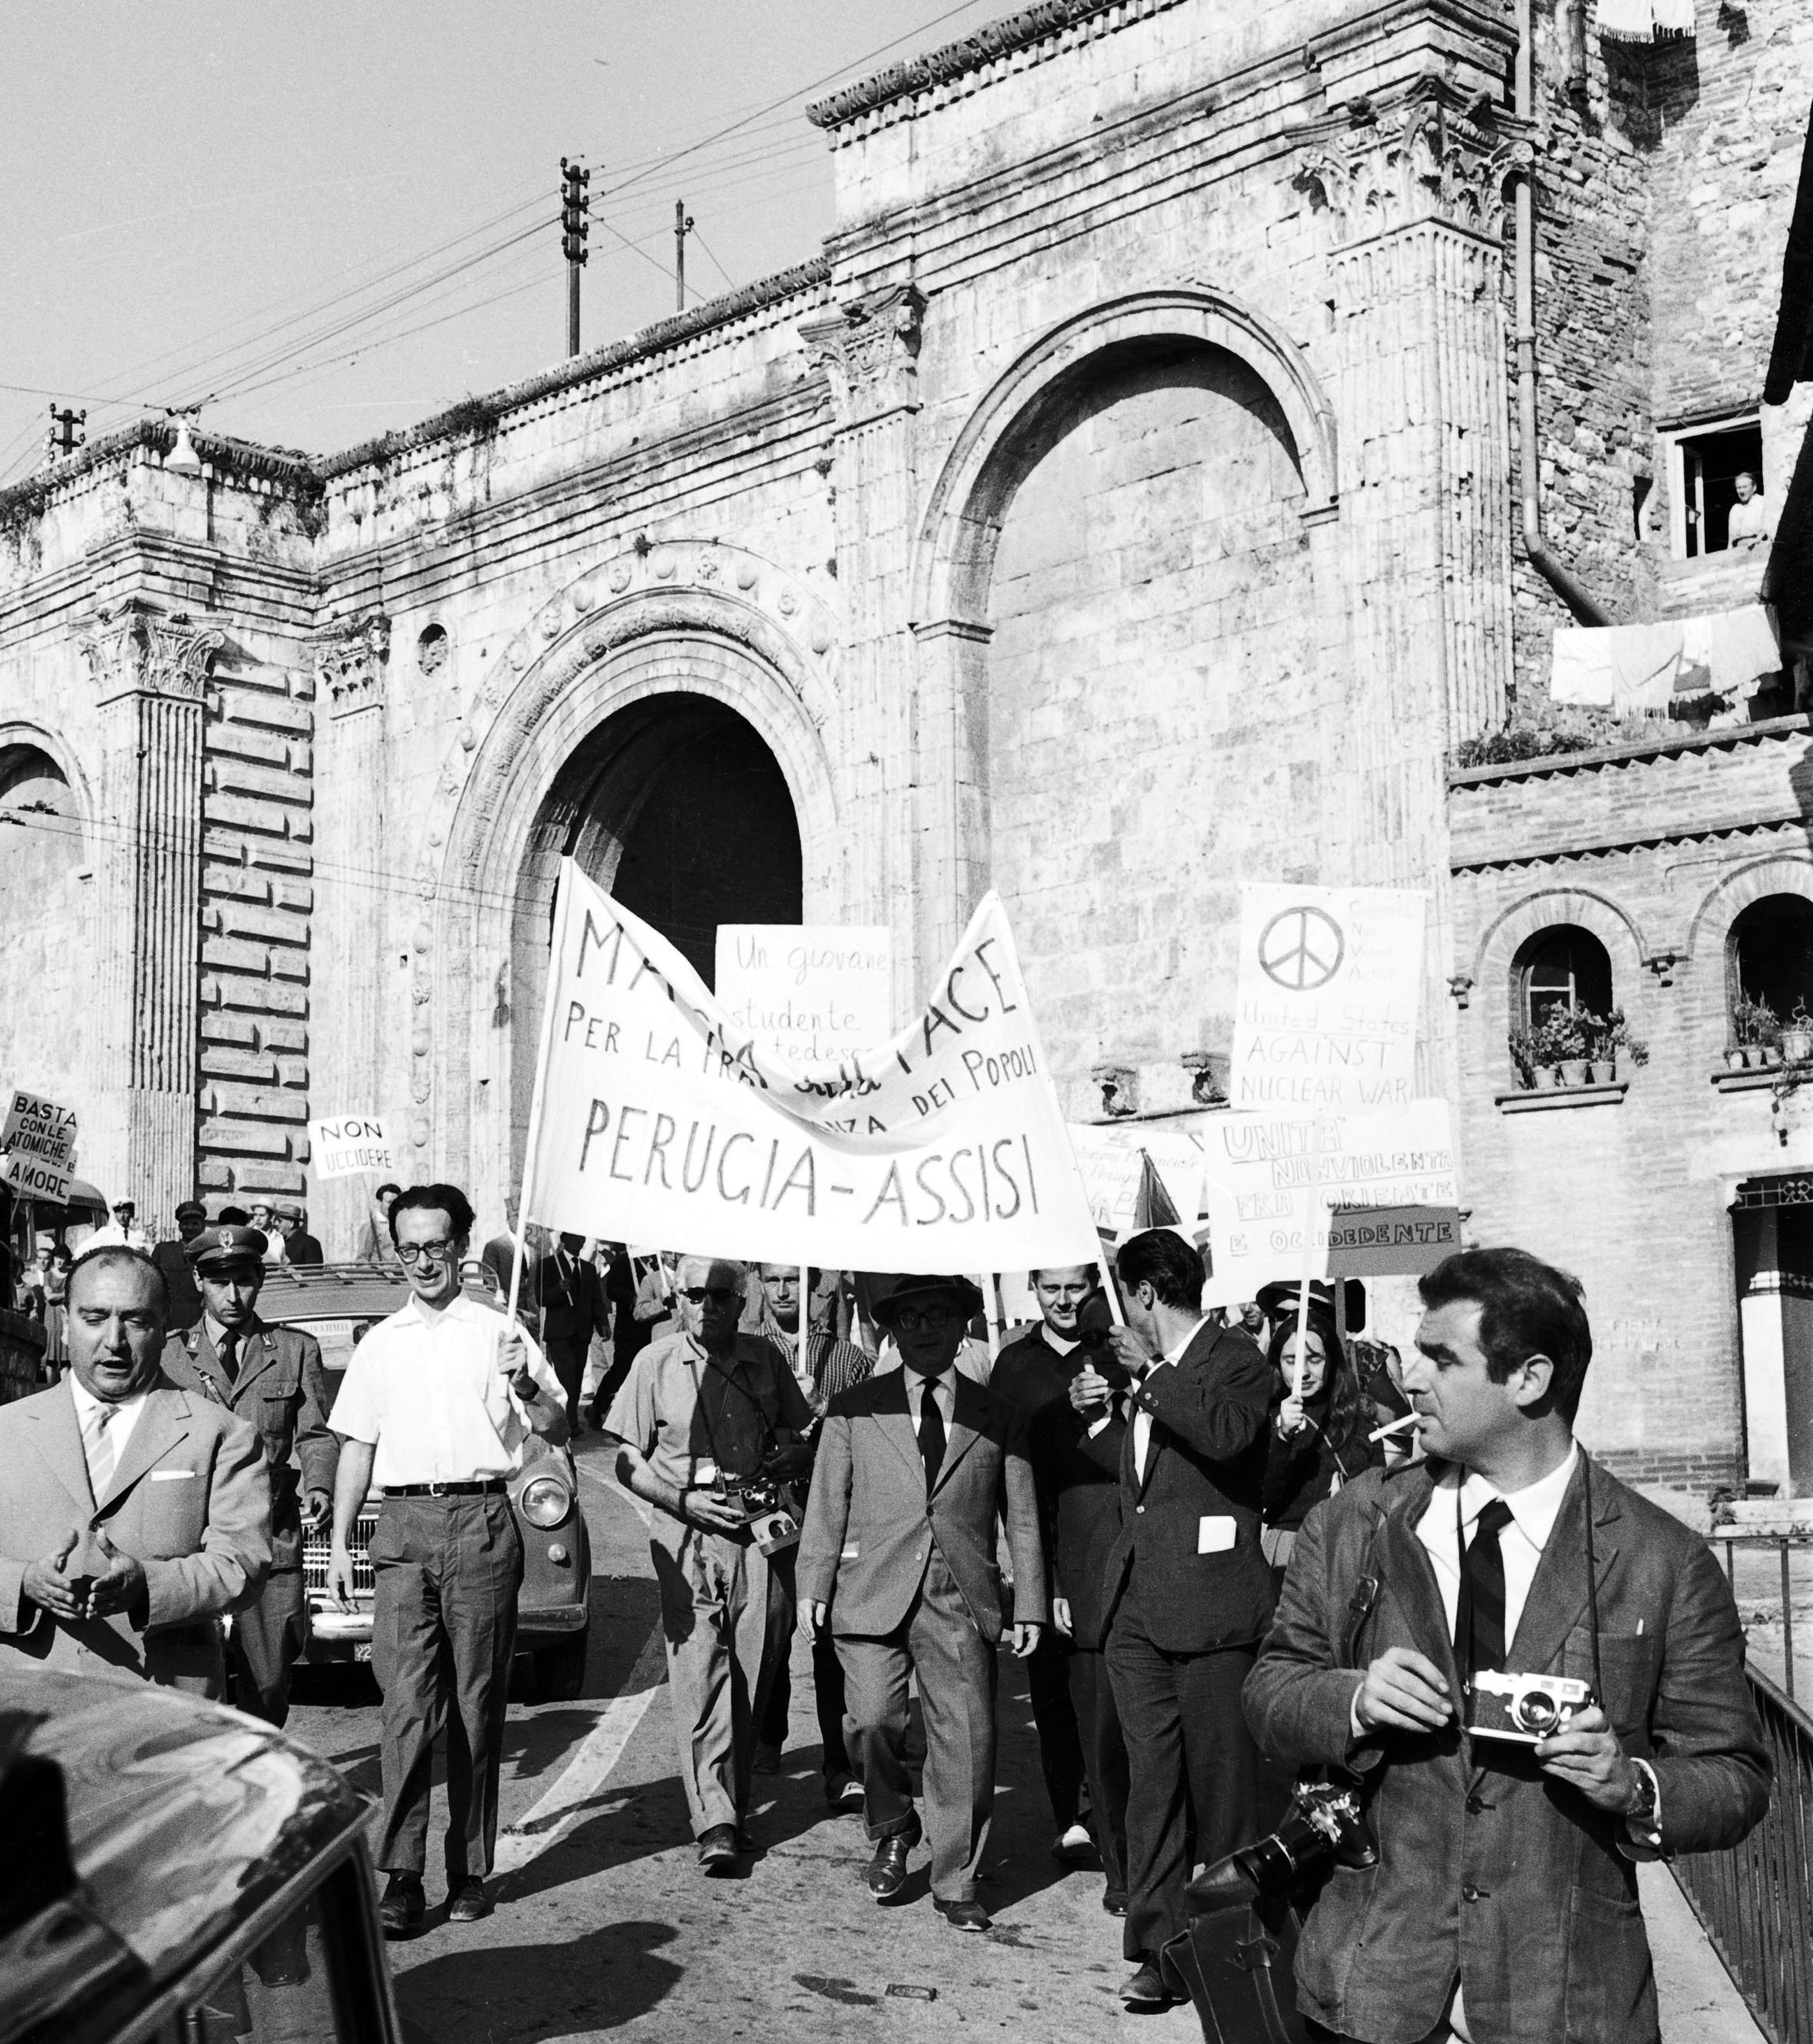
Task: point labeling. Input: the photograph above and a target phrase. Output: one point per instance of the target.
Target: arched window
(1770, 956)
(1563, 967)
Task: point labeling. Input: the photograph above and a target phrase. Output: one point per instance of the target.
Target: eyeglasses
(719, 1295)
(910, 1320)
(422, 1252)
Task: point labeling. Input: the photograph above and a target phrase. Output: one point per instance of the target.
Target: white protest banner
(657, 1120)
(1381, 1189)
(1111, 1157)
(343, 1148)
(1325, 1007)
(39, 1138)
(810, 991)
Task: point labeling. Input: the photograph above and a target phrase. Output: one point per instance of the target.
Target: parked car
(176, 1874)
(336, 1303)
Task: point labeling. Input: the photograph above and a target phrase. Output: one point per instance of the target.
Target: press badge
(849, 1552)
(1214, 1534)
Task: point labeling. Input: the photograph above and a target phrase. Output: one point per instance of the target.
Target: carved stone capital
(870, 352)
(1422, 160)
(352, 656)
(130, 650)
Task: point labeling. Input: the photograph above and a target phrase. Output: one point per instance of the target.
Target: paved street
(605, 1924)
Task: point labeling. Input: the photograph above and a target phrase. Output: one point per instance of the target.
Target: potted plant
(1564, 1043)
(1613, 1045)
(1758, 1029)
(1522, 1046)
(1797, 1036)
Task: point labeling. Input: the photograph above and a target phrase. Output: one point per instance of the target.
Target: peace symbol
(1301, 949)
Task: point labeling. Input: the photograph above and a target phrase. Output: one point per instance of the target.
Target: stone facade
(1123, 505)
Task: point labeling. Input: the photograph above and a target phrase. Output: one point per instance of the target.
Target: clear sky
(333, 219)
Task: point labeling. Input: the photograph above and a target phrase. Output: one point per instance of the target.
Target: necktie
(227, 1354)
(1479, 1617)
(99, 1448)
(930, 1434)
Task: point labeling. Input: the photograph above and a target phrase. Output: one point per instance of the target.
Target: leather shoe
(1114, 1902)
(399, 1914)
(963, 1915)
(888, 1869)
(717, 1848)
(468, 1902)
(1146, 1988)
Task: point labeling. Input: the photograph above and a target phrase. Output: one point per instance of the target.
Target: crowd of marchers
(1231, 1548)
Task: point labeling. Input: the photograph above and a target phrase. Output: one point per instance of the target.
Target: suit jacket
(1510, 1879)
(189, 1499)
(302, 1248)
(573, 1306)
(1079, 1499)
(282, 1389)
(1205, 1467)
(172, 1259)
(870, 1527)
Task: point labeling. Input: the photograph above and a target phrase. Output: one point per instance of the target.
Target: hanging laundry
(1645, 20)
(1629, 667)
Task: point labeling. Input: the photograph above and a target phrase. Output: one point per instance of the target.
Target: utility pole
(574, 227)
(682, 227)
(66, 433)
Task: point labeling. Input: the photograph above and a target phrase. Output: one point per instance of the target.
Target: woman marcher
(1318, 1437)
(57, 1263)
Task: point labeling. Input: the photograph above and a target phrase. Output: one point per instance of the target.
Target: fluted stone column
(1411, 204)
(899, 835)
(347, 1065)
(150, 673)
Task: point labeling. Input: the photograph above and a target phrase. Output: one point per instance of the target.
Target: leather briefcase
(1237, 1964)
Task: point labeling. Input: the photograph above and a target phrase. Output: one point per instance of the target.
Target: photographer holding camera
(710, 1423)
(1538, 1676)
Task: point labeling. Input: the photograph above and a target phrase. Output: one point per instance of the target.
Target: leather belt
(490, 1486)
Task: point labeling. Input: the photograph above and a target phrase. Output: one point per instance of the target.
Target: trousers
(1193, 1769)
(446, 1573)
(567, 1358)
(937, 1641)
(727, 1616)
(828, 1695)
(262, 1644)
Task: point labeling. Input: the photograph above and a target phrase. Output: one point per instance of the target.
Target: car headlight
(546, 1501)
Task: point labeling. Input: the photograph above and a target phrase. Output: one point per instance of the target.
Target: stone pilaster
(149, 673)
(1412, 205)
(351, 658)
(903, 833)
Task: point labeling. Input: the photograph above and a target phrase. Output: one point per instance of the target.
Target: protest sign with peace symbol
(1301, 948)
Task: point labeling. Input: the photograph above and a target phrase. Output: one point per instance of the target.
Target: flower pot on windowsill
(1754, 1056)
(1603, 1071)
(1576, 1072)
(1736, 1058)
(1768, 1055)
(1797, 1045)
(1547, 1078)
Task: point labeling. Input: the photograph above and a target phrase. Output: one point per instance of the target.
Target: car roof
(184, 1818)
(343, 1292)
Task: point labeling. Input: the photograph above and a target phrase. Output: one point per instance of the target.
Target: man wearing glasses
(436, 1405)
(708, 1418)
(914, 1467)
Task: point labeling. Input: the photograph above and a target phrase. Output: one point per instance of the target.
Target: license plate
(361, 1650)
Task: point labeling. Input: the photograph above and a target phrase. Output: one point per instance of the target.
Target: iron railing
(1754, 1901)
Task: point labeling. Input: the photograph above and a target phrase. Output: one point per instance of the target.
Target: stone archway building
(1121, 505)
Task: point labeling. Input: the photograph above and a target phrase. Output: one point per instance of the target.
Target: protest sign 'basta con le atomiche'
(39, 1138)
(659, 1120)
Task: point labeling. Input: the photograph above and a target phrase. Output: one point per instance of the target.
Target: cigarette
(1394, 1426)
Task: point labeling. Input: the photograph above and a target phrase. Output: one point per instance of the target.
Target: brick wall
(257, 894)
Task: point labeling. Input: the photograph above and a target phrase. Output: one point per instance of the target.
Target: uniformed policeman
(272, 1377)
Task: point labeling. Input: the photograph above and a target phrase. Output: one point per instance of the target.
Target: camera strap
(1592, 1576)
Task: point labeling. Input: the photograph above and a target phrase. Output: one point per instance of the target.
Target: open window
(1564, 967)
(1769, 966)
(1705, 466)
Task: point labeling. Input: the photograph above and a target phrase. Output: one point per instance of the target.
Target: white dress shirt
(1533, 1513)
(943, 1388)
(427, 1390)
(123, 1416)
(1142, 1418)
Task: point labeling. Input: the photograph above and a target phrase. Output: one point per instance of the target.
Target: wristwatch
(1642, 1818)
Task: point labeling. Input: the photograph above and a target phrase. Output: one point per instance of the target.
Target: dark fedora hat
(911, 1289)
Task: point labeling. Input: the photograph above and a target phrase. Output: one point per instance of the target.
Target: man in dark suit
(1079, 1500)
(573, 1310)
(1504, 1902)
(301, 1249)
(272, 1377)
(898, 1547)
(1186, 1586)
(172, 1259)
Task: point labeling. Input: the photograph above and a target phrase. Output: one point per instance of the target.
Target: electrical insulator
(576, 204)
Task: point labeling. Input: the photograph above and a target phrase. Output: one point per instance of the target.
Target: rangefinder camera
(772, 1524)
(1524, 1707)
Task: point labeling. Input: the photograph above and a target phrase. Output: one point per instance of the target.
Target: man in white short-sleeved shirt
(436, 1407)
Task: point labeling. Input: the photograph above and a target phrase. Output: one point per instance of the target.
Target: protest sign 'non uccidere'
(657, 1121)
(346, 1147)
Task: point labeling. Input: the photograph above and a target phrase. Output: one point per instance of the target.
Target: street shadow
(531, 1993)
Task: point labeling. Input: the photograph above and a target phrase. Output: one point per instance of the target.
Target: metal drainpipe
(1575, 76)
(1584, 606)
